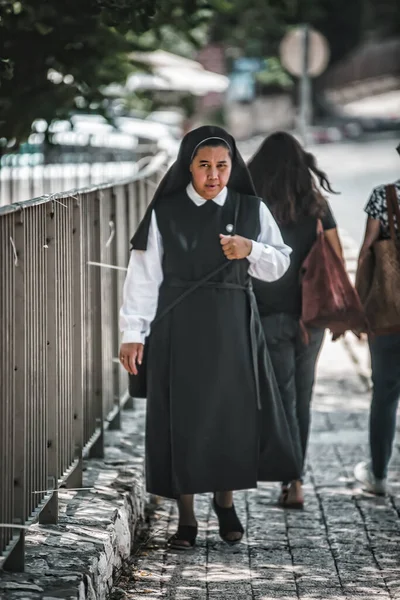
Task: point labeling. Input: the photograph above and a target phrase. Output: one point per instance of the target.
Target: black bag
(137, 386)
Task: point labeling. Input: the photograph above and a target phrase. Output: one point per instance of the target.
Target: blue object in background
(248, 65)
(242, 87)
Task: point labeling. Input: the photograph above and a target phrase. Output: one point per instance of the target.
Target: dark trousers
(294, 365)
(385, 363)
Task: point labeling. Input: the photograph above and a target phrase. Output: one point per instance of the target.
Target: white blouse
(268, 261)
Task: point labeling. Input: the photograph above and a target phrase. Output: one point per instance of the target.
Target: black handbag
(137, 385)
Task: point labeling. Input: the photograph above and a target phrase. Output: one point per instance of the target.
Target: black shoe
(185, 533)
(228, 522)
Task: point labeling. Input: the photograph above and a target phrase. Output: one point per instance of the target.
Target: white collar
(199, 200)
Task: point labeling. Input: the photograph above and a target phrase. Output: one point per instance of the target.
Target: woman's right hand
(130, 356)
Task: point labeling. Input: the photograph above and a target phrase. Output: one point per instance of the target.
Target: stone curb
(98, 527)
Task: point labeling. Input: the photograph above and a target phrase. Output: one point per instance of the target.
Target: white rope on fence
(54, 198)
(63, 489)
(143, 162)
(112, 233)
(105, 266)
(58, 202)
(15, 252)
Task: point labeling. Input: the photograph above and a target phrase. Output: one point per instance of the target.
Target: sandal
(283, 496)
(292, 496)
(185, 533)
(228, 522)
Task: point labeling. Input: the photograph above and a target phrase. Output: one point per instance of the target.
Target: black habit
(215, 421)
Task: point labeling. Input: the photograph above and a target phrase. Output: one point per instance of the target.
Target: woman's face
(211, 169)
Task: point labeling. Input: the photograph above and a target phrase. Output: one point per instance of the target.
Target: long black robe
(214, 416)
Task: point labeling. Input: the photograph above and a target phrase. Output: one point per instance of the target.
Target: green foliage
(73, 45)
(383, 17)
(83, 45)
(274, 75)
(256, 28)
(216, 117)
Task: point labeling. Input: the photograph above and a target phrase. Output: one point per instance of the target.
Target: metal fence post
(16, 561)
(97, 401)
(112, 310)
(50, 512)
(122, 259)
(78, 267)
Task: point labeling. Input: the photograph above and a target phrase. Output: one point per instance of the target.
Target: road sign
(291, 52)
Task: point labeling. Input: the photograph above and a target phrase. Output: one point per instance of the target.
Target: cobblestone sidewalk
(345, 544)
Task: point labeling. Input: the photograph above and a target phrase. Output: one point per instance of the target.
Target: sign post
(305, 88)
(304, 52)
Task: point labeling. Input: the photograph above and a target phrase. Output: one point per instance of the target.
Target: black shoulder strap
(209, 276)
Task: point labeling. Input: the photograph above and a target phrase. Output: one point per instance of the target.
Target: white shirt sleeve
(270, 256)
(142, 283)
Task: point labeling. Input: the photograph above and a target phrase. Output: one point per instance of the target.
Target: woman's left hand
(235, 247)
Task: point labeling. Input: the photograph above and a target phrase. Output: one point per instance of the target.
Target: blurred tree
(258, 28)
(383, 18)
(55, 58)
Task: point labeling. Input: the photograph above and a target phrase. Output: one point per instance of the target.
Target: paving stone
(267, 594)
(321, 595)
(230, 590)
(313, 557)
(326, 589)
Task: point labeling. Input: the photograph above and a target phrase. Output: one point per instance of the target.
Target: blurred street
(354, 169)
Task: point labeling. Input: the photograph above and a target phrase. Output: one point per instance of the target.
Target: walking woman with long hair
(384, 344)
(215, 422)
(288, 180)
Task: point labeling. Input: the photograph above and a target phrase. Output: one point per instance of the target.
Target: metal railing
(62, 262)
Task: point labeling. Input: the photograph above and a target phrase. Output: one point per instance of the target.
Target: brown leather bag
(329, 299)
(378, 277)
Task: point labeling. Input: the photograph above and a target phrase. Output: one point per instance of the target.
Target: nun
(215, 422)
